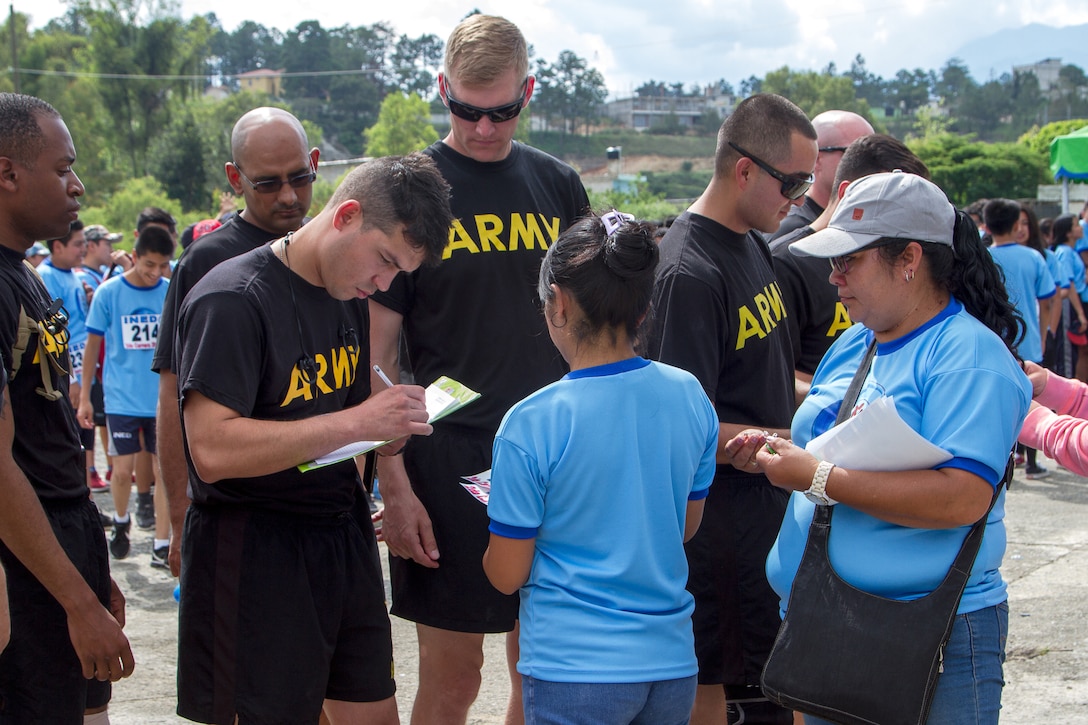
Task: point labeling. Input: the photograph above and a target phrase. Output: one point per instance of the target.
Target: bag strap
(854, 390)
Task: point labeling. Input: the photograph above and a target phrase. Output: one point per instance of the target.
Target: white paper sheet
(877, 439)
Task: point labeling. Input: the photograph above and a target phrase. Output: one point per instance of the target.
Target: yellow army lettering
(343, 369)
(841, 321)
(771, 311)
(524, 231)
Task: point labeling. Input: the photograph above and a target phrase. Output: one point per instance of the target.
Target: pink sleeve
(1061, 437)
(1068, 397)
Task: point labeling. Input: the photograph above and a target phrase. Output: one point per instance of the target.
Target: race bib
(139, 332)
(75, 354)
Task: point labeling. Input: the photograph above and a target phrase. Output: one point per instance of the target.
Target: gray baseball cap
(97, 232)
(893, 205)
(37, 249)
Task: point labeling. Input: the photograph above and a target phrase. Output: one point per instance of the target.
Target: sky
(685, 41)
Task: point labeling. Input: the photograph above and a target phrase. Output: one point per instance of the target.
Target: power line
(203, 76)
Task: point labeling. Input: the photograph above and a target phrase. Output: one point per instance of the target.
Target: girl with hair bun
(597, 481)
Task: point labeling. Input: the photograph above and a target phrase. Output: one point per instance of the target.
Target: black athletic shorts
(41, 680)
(736, 612)
(456, 596)
(279, 612)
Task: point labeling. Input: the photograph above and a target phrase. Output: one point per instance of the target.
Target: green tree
(124, 205)
(1038, 140)
(403, 126)
(177, 161)
(416, 62)
(968, 169)
(910, 90)
(867, 86)
(815, 92)
(160, 50)
(640, 202)
(249, 47)
(952, 85)
(570, 92)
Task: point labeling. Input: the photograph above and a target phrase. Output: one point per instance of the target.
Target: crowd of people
(646, 403)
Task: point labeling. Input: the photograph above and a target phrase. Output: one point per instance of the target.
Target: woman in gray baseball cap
(922, 289)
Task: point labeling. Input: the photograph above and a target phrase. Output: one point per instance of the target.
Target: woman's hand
(1037, 375)
(785, 465)
(740, 451)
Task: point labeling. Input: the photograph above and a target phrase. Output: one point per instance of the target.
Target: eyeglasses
(829, 149)
(841, 265)
(272, 186)
(498, 114)
(794, 186)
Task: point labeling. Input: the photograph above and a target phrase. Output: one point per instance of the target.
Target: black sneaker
(145, 511)
(119, 543)
(1033, 473)
(160, 556)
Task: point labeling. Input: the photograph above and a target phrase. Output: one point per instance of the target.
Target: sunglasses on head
(272, 186)
(794, 186)
(498, 114)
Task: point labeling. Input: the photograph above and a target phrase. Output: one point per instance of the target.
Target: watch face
(817, 499)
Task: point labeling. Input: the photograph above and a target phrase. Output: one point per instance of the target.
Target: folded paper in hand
(877, 439)
(444, 396)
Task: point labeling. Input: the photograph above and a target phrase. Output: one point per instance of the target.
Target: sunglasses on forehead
(498, 114)
(794, 186)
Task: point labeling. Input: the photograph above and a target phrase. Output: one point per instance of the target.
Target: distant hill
(995, 54)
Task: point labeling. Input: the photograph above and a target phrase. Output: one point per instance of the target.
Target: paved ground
(1046, 565)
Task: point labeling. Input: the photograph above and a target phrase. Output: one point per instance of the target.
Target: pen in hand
(384, 378)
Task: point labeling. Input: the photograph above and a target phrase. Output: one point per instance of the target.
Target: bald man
(835, 130)
(273, 168)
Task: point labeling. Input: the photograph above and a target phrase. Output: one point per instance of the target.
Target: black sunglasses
(498, 114)
(793, 186)
(272, 186)
(830, 149)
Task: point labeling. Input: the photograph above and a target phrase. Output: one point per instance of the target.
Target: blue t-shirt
(599, 468)
(93, 277)
(1075, 268)
(68, 287)
(1058, 270)
(954, 382)
(128, 318)
(1027, 280)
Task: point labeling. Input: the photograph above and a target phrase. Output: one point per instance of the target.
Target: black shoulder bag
(855, 658)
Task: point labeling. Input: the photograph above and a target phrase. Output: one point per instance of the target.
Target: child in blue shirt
(597, 481)
(125, 314)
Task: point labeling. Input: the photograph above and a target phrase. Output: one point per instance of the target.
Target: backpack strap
(26, 329)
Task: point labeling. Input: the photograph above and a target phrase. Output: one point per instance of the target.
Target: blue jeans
(969, 689)
(667, 702)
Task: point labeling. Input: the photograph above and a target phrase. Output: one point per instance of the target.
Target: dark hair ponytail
(976, 281)
(610, 277)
